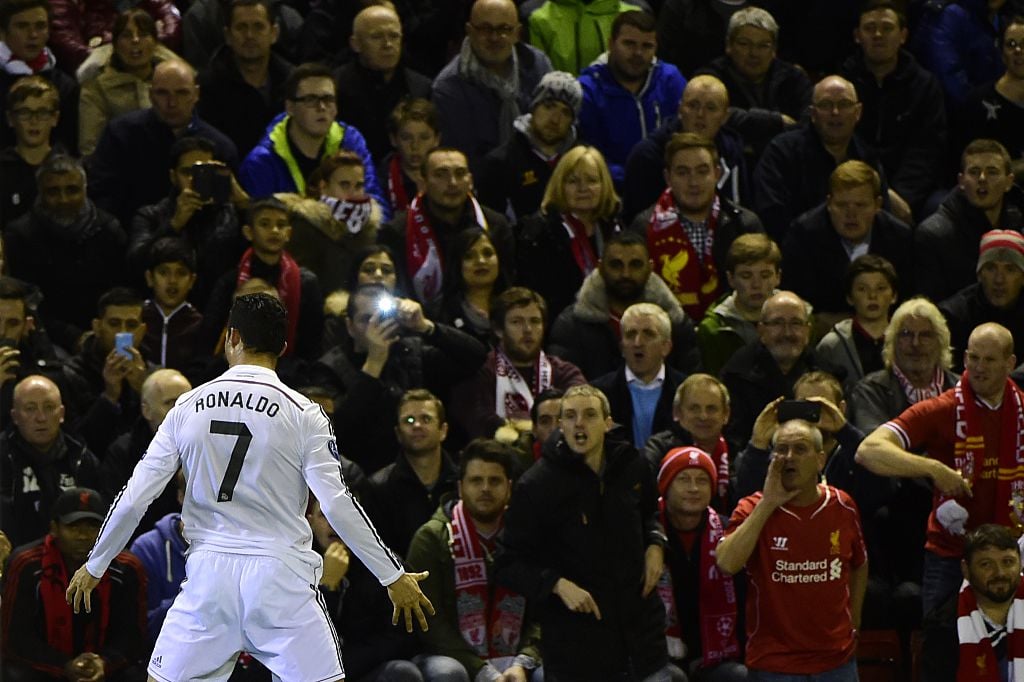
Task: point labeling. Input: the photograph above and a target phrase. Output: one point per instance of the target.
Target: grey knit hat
(561, 87)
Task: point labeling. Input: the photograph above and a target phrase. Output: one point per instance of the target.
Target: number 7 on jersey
(244, 437)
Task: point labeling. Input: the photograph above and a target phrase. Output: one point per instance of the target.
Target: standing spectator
(414, 130)
(483, 89)
(629, 93)
(572, 51)
(691, 32)
(203, 29)
(32, 113)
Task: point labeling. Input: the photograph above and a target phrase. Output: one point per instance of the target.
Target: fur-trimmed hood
(592, 301)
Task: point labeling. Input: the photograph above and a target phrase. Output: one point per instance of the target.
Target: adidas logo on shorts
(157, 661)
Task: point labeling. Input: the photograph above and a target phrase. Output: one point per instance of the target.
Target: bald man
(971, 439)
(159, 392)
(474, 117)
(792, 175)
(704, 110)
(38, 460)
(129, 167)
(372, 85)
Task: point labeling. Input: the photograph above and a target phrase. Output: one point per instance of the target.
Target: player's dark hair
(988, 536)
(488, 450)
(261, 321)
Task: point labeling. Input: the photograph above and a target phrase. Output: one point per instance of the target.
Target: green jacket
(572, 34)
(430, 550)
(721, 333)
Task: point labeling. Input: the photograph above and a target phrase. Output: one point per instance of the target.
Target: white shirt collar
(654, 383)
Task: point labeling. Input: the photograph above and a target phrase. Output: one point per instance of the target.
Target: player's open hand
(408, 599)
(80, 589)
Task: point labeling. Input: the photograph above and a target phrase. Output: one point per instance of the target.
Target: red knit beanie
(677, 459)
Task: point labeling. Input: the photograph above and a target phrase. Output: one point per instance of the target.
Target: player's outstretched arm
(80, 589)
(408, 599)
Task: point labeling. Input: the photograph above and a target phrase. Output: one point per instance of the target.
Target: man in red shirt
(973, 439)
(803, 549)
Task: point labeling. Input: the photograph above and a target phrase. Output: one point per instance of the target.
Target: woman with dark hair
(562, 243)
(473, 277)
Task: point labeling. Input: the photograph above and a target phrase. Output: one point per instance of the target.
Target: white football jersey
(251, 450)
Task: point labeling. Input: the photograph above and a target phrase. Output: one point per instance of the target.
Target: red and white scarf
(720, 456)
(716, 600)
(423, 252)
(396, 185)
(289, 288)
(490, 623)
(916, 395)
(53, 583)
(579, 242)
(512, 395)
(692, 277)
(970, 446)
(977, 658)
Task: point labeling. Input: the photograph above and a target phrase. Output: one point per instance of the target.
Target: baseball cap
(75, 504)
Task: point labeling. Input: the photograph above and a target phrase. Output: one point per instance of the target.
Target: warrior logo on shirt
(780, 542)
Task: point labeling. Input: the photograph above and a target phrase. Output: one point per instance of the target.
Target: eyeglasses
(786, 324)
(501, 30)
(828, 106)
(920, 337)
(316, 101)
(24, 115)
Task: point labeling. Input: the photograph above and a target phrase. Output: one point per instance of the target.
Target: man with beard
(588, 332)
(68, 247)
(515, 372)
(484, 627)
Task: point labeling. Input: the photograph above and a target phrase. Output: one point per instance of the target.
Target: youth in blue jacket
(162, 553)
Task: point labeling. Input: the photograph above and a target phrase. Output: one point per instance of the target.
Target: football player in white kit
(251, 450)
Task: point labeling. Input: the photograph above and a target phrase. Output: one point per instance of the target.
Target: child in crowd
(172, 323)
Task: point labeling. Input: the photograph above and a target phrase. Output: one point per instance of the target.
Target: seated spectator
(641, 391)
(24, 33)
(50, 641)
(128, 170)
(123, 81)
(753, 269)
(576, 50)
(102, 382)
(39, 459)
(421, 237)
(32, 114)
(904, 113)
(67, 246)
(752, 73)
(203, 31)
(242, 88)
(700, 602)
(25, 347)
(419, 474)
(514, 176)
(588, 333)
(474, 277)
(334, 219)
(300, 138)
(159, 392)
(560, 246)
(985, 199)
(700, 411)
(515, 372)
(704, 110)
(484, 88)
(768, 368)
(79, 28)
(172, 323)
(481, 627)
(375, 82)
(854, 345)
(825, 240)
(382, 357)
(268, 229)
(996, 297)
(210, 224)
(792, 175)
(625, 92)
(414, 130)
(691, 226)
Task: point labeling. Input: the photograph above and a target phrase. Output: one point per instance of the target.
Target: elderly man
(792, 176)
(487, 85)
(38, 459)
(129, 167)
(804, 552)
(971, 437)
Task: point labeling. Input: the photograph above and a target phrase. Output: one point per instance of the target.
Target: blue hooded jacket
(162, 553)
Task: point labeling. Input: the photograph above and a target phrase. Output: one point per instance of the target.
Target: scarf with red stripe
(512, 396)
(53, 583)
(692, 277)
(396, 185)
(716, 600)
(970, 446)
(977, 657)
(423, 252)
(289, 287)
(490, 623)
(579, 242)
(720, 456)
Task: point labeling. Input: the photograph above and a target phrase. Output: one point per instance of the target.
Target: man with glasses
(792, 175)
(946, 243)
(307, 132)
(768, 368)
(484, 88)
(32, 113)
